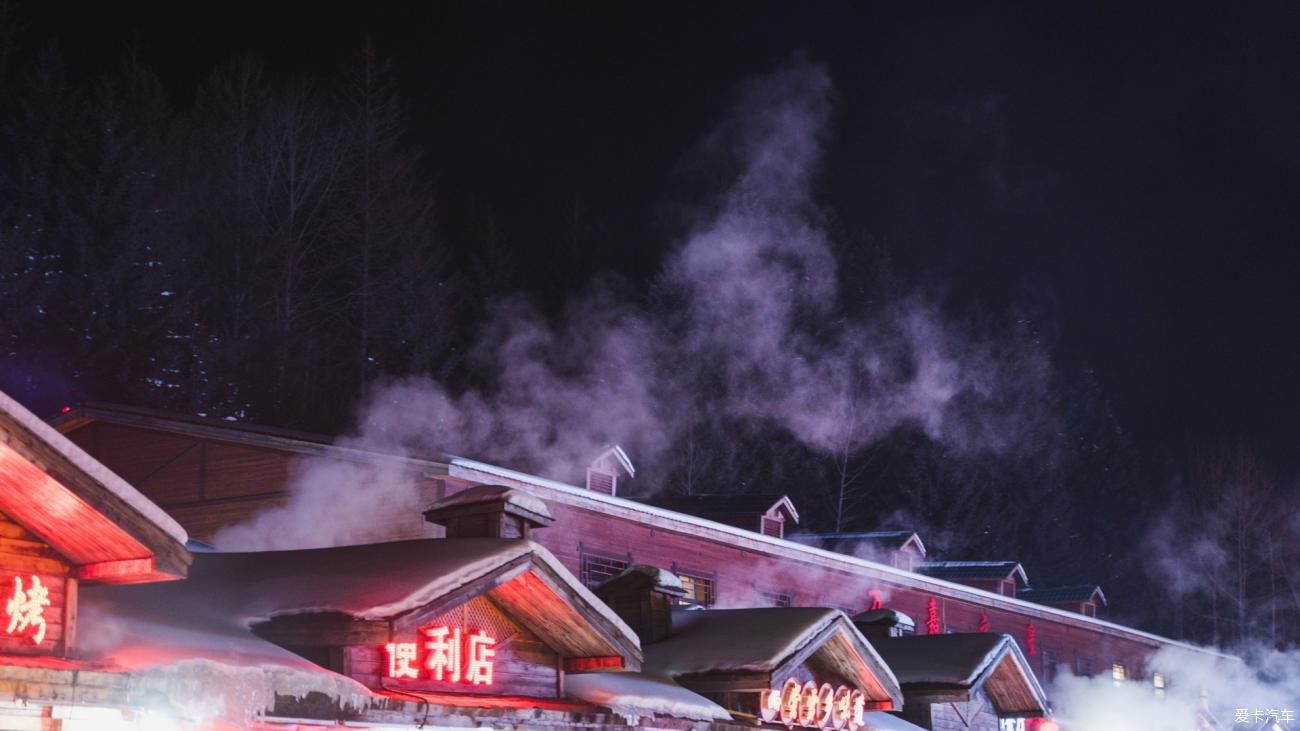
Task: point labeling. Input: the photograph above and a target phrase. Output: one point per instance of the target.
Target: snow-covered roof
(206, 664)
(766, 640)
(974, 570)
(89, 465)
(885, 616)
(482, 494)
(1063, 594)
(719, 640)
(966, 661)
(472, 469)
(620, 457)
(202, 627)
(635, 695)
(658, 577)
(894, 539)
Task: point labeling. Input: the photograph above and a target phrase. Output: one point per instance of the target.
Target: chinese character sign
(450, 655)
(26, 608)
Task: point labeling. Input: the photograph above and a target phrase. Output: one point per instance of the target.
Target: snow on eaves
(84, 462)
(493, 494)
(955, 659)
(474, 469)
(636, 695)
(730, 640)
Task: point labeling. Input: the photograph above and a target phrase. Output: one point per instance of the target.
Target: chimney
(490, 511)
(606, 471)
(643, 596)
(879, 624)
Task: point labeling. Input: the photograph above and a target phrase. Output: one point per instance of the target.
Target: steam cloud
(754, 330)
(1266, 680)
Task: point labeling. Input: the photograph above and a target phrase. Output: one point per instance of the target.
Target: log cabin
(210, 474)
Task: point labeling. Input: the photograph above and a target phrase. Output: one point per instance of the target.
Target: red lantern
(984, 623)
(931, 617)
(875, 600)
(1030, 646)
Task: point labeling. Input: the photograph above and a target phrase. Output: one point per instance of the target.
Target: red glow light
(451, 655)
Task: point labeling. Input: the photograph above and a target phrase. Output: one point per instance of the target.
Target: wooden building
(208, 474)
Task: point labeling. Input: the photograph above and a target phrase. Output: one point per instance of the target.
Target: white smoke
(1264, 683)
(754, 329)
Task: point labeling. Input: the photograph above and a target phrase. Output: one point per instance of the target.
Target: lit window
(699, 589)
(596, 568)
(1158, 682)
(1119, 673)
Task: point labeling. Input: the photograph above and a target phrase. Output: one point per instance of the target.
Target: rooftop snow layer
(84, 462)
(495, 493)
(957, 659)
(715, 640)
(634, 695)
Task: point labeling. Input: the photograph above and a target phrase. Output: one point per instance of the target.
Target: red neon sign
(451, 655)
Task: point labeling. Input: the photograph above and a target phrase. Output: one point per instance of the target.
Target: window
(1119, 673)
(700, 587)
(775, 599)
(1049, 665)
(1158, 684)
(597, 567)
(1083, 666)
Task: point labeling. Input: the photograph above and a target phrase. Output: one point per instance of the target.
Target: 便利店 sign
(448, 654)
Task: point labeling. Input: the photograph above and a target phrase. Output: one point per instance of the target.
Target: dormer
(606, 471)
(901, 549)
(1083, 599)
(769, 514)
(999, 577)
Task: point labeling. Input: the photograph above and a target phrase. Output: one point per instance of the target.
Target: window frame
(693, 576)
(585, 553)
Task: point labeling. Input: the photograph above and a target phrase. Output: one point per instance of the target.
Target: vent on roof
(604, 471)
(773, 527)
(602, 482)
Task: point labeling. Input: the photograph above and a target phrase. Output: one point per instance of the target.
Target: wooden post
(69, 615)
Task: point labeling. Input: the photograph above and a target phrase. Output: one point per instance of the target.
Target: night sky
(1129, 174)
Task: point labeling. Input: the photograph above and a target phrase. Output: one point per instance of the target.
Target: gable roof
(84, 511)
(1063, 594)
(974, 570)
(473, 470)
(768, 645)
(722, 507)
(620, 457)
(892, 539)
(231, 593)
(940, 668)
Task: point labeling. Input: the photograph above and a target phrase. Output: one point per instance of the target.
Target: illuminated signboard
(448, 654)
(26, 609)
(813, 706)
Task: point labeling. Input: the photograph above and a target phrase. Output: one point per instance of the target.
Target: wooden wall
(523, 664)
(23, 556)
(207, 484)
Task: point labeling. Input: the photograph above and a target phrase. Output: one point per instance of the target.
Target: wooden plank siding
(231, 482)
(23, 556)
